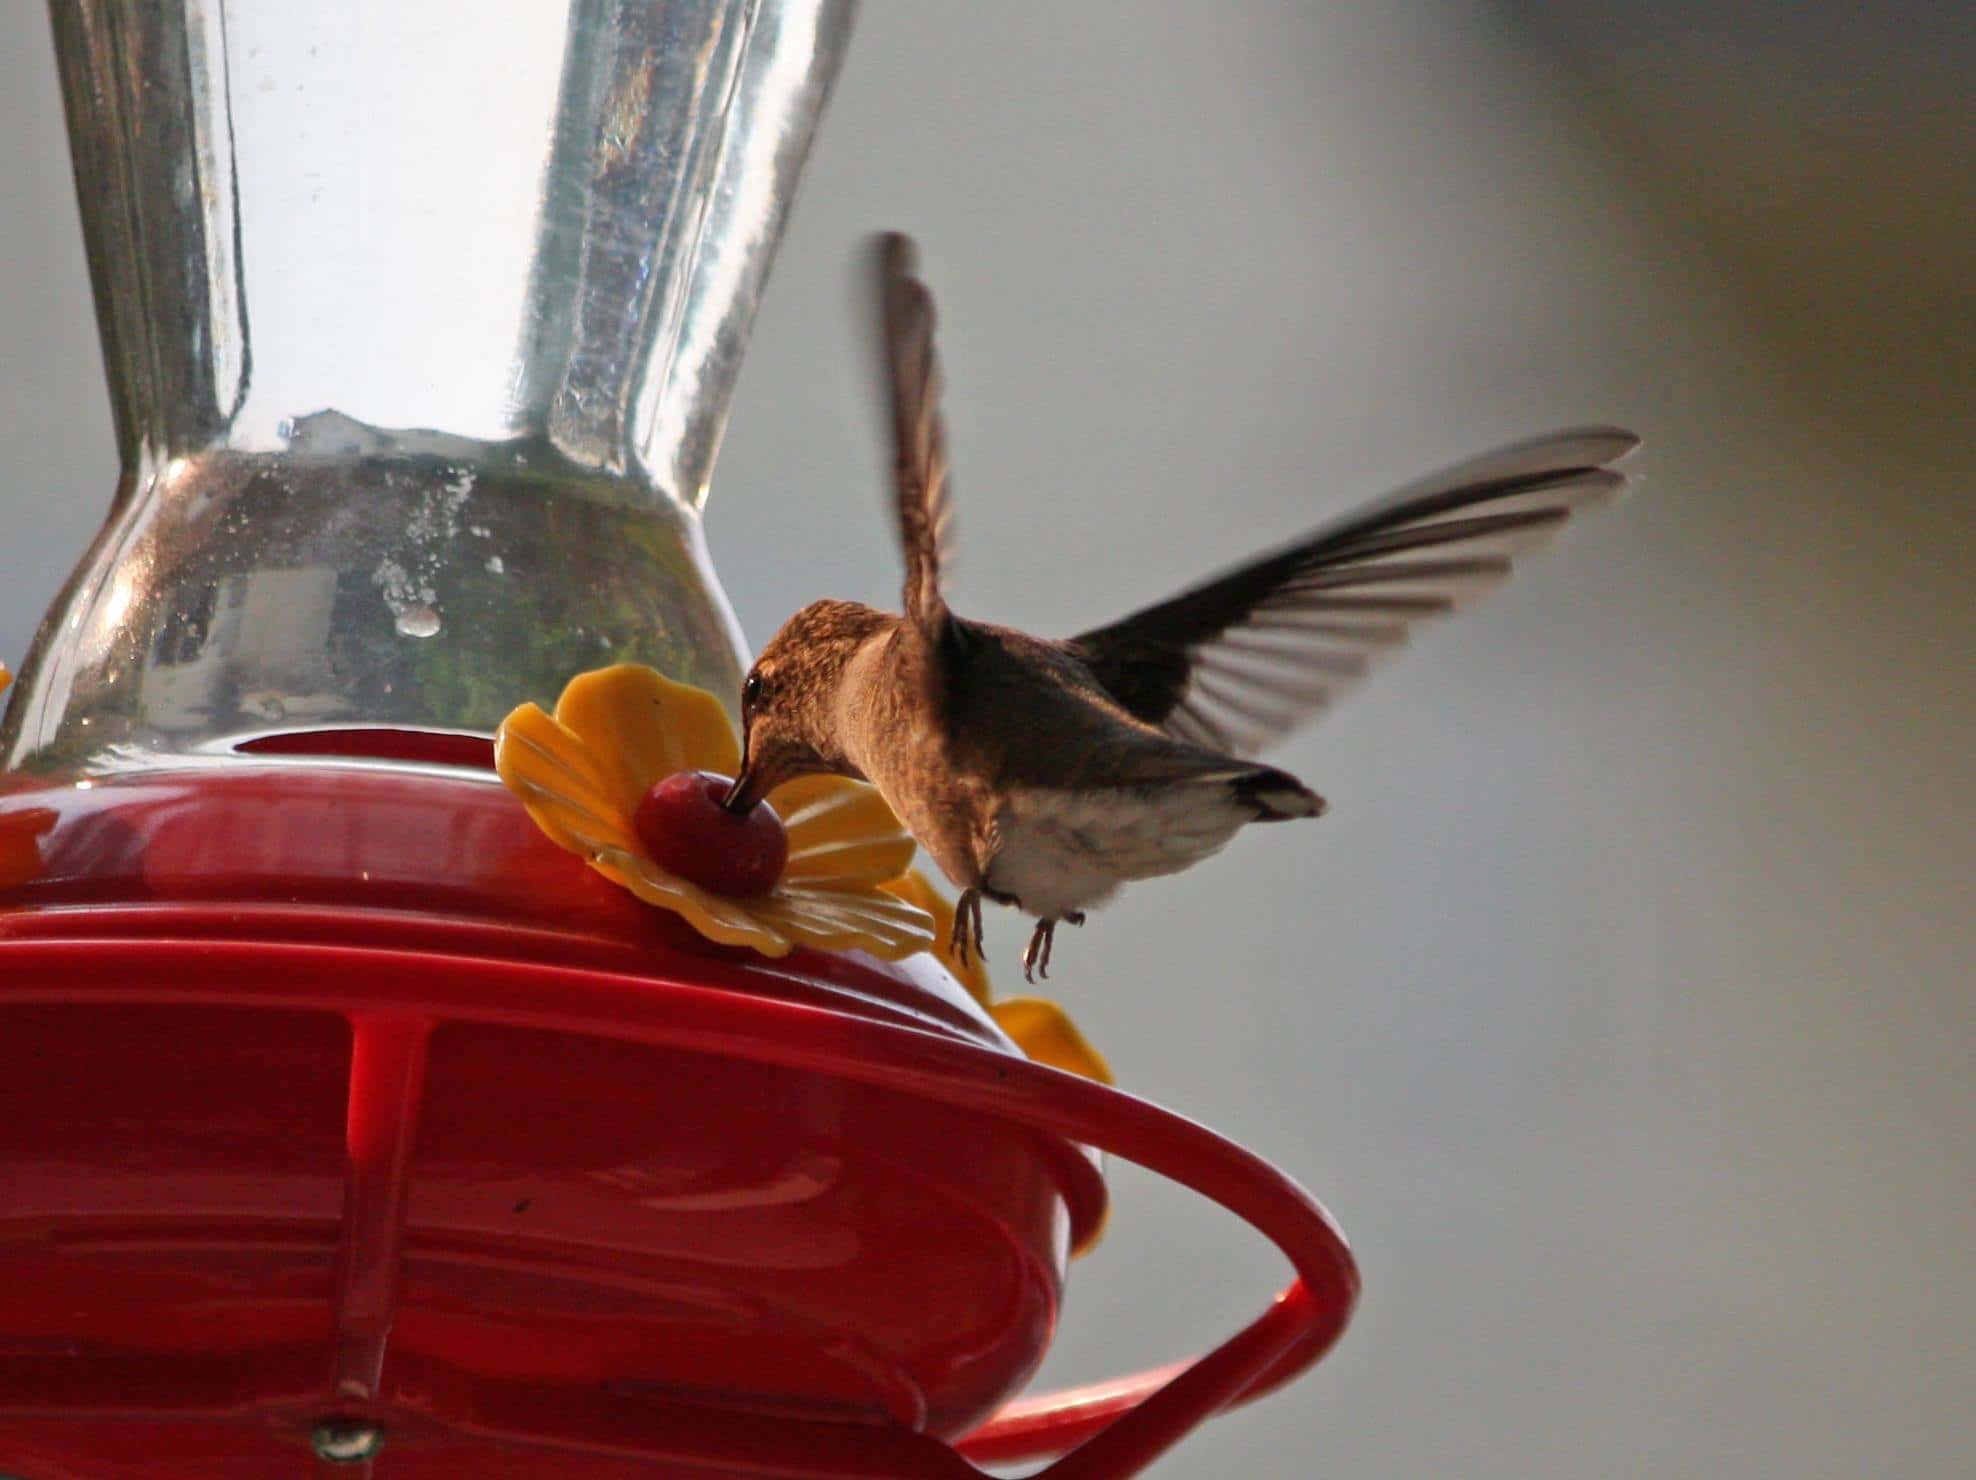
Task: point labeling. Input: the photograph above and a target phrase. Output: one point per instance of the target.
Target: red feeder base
(347, 1121)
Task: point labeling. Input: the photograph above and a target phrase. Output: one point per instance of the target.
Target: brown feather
(919, 435)
(1243, 658)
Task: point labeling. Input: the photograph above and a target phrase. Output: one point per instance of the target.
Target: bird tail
(1277, 796)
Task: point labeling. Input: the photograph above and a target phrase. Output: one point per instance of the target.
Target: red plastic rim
(1113, 1429)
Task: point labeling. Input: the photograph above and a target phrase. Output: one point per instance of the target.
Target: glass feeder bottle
(420, 323)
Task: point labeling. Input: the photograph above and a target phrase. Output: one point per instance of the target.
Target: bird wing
(1238, 661)
(912, 390)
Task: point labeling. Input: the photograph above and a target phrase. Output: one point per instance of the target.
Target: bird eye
(751, 691)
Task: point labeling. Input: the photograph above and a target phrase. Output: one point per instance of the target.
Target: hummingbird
(1045, 773)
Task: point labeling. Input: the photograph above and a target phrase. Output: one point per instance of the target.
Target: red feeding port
(685, 828)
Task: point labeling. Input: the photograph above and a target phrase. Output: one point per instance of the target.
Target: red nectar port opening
(377, 743)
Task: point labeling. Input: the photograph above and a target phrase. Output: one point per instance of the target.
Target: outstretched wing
(1242, 659)
(919, 436)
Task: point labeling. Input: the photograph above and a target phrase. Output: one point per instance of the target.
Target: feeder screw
(346, 1441)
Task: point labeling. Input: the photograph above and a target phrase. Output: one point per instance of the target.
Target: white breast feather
(1062, 851)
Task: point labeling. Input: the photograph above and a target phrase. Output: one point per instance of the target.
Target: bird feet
(967, 927)
(1036, 955)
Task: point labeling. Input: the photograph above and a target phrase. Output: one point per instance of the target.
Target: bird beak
(746, 790)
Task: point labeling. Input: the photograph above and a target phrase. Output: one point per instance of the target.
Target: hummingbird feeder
(350, 1124)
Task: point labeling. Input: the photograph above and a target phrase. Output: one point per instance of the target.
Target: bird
(1044, 774)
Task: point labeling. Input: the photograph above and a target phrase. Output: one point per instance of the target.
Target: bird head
(789, 708)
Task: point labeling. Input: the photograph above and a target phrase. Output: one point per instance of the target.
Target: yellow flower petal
(1045, 1032)
(559, 781)
(728, 921)
(641, 727)
(859, 907)
(871, 861)
(832, 807)
(840, 832)
(841, 920)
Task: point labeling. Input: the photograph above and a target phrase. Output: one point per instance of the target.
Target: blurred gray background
(1621, 1007)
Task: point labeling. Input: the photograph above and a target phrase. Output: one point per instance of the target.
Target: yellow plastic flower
(583, 771)
(1041, 1029)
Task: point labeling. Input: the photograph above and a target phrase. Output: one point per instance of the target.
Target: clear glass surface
(420, 321)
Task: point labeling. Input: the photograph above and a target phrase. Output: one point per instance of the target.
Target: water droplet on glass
(418, 621)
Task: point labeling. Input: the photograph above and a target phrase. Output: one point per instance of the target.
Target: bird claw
(1036, 955)
(966, 933)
